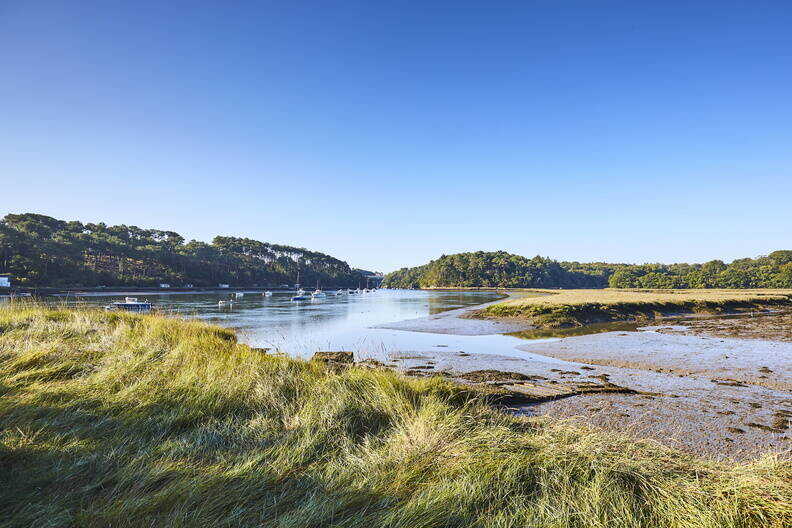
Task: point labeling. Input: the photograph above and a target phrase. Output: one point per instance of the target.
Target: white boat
(267, 294)
(239, 294)
(225, 303)
(130, 304)
(318, 293)
(340, 292)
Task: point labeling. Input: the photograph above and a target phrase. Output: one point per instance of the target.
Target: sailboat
(300, 292)
(317, 292)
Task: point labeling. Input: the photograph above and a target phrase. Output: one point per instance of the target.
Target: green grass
(126, 420)
(564, 308)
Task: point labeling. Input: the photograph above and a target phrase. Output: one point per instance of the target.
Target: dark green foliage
(504, 270)
(500, 269)
(42, 251)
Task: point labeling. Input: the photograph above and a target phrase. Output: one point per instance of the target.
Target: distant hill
(370, 278)
(505, 270)
(39, 250)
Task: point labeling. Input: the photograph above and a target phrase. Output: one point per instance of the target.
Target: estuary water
(343, 322)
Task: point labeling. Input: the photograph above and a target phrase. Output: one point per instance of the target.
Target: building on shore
(164, 285)
(5, 280)
(223, 286)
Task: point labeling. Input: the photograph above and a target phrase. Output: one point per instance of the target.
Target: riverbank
(725, 398)
(564, 308)
(130, 420)
(89, 292)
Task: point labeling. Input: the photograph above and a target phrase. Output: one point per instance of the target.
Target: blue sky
(388, 133)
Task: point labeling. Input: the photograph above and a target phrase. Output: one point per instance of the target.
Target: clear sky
(389, 133)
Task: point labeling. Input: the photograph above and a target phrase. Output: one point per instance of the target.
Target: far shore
(121, 290)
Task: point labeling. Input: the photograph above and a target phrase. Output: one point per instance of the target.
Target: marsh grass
(113, 419)
(561, 308)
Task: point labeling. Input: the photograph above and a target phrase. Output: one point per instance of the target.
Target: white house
(164, 285)
(223, 286)
(5, 281)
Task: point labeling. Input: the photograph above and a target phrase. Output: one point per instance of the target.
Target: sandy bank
(720, 396)
(688, 412)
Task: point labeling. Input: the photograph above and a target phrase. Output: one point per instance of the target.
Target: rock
(340, 358)
(484, 376)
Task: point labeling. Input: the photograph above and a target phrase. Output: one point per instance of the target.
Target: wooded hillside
(40, 250)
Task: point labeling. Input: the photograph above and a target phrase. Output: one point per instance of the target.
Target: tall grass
(119, 420)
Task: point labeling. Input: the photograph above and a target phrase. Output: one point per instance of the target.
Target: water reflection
(596, 328)
(300, 328)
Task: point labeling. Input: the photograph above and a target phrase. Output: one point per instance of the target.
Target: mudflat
(722, 361)
(775, 326)
(715, 386)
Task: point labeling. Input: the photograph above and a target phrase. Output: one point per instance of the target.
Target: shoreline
(726, 397)
(570, 308)
(457, 322)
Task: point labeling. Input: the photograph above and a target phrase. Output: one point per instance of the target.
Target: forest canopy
(504, 270)
(39, 250)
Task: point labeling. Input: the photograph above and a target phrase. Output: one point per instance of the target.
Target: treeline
(505, 270)
(500, 269)
(38, 250)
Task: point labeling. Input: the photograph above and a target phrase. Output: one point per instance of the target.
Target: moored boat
(130, 304)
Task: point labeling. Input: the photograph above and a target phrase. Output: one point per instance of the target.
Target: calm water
(331, 323)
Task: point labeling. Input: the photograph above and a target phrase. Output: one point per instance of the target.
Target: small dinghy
(130, 304)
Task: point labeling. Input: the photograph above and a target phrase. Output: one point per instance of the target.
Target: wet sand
(720, 397)
(688, 412)
(723, 361)
(775, 326)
